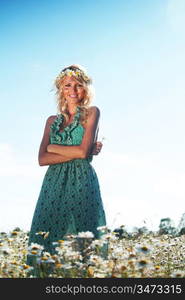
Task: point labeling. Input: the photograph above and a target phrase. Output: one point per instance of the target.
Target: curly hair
(83, 78)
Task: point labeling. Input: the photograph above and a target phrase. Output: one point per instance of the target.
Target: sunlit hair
(80, 74)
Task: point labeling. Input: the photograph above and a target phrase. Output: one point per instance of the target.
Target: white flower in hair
(75, 73)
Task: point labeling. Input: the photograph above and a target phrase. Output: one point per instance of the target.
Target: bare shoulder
(94, 111)
(51, 119)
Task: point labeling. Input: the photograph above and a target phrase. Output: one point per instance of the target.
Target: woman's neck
(72, 110)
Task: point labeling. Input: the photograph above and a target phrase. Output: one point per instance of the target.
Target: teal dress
(70, 199)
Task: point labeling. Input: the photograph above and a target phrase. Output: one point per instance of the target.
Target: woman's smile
(73, 96)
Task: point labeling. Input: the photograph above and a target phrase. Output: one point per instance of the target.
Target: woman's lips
(73, 96)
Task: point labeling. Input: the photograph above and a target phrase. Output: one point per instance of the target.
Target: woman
(70, 200)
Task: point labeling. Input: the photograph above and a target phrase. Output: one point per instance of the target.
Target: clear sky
(135, 52)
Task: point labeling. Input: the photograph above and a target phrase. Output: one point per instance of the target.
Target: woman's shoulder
(51, 119)
(94, 110)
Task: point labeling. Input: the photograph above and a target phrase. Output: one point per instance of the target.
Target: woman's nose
(74, 88)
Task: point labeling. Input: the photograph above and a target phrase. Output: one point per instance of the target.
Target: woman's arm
(90, 134)
(45, 158)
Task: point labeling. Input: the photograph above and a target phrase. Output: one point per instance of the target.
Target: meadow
(117, 254)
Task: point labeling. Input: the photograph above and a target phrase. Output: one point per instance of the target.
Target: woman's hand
(96, 148)
(51, 148)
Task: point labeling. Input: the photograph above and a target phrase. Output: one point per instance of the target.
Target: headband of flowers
(76, 73)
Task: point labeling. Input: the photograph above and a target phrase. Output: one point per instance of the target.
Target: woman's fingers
(98, 147)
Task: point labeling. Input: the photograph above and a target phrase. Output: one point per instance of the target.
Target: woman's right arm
(46, 158)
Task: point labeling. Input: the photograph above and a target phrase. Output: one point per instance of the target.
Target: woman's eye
(69, 85)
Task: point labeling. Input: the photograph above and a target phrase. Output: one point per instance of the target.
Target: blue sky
(134, 51)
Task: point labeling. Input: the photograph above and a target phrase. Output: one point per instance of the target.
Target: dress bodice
(71, 135)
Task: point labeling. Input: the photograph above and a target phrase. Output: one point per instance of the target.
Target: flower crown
(75, 73)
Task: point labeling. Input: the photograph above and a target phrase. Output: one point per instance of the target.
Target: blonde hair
(80, 74)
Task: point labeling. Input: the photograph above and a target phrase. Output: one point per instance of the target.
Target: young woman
(70, 199)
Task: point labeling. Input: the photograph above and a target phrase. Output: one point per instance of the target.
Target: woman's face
(73, 90)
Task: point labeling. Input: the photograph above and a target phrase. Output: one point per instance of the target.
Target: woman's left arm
(85, 148)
